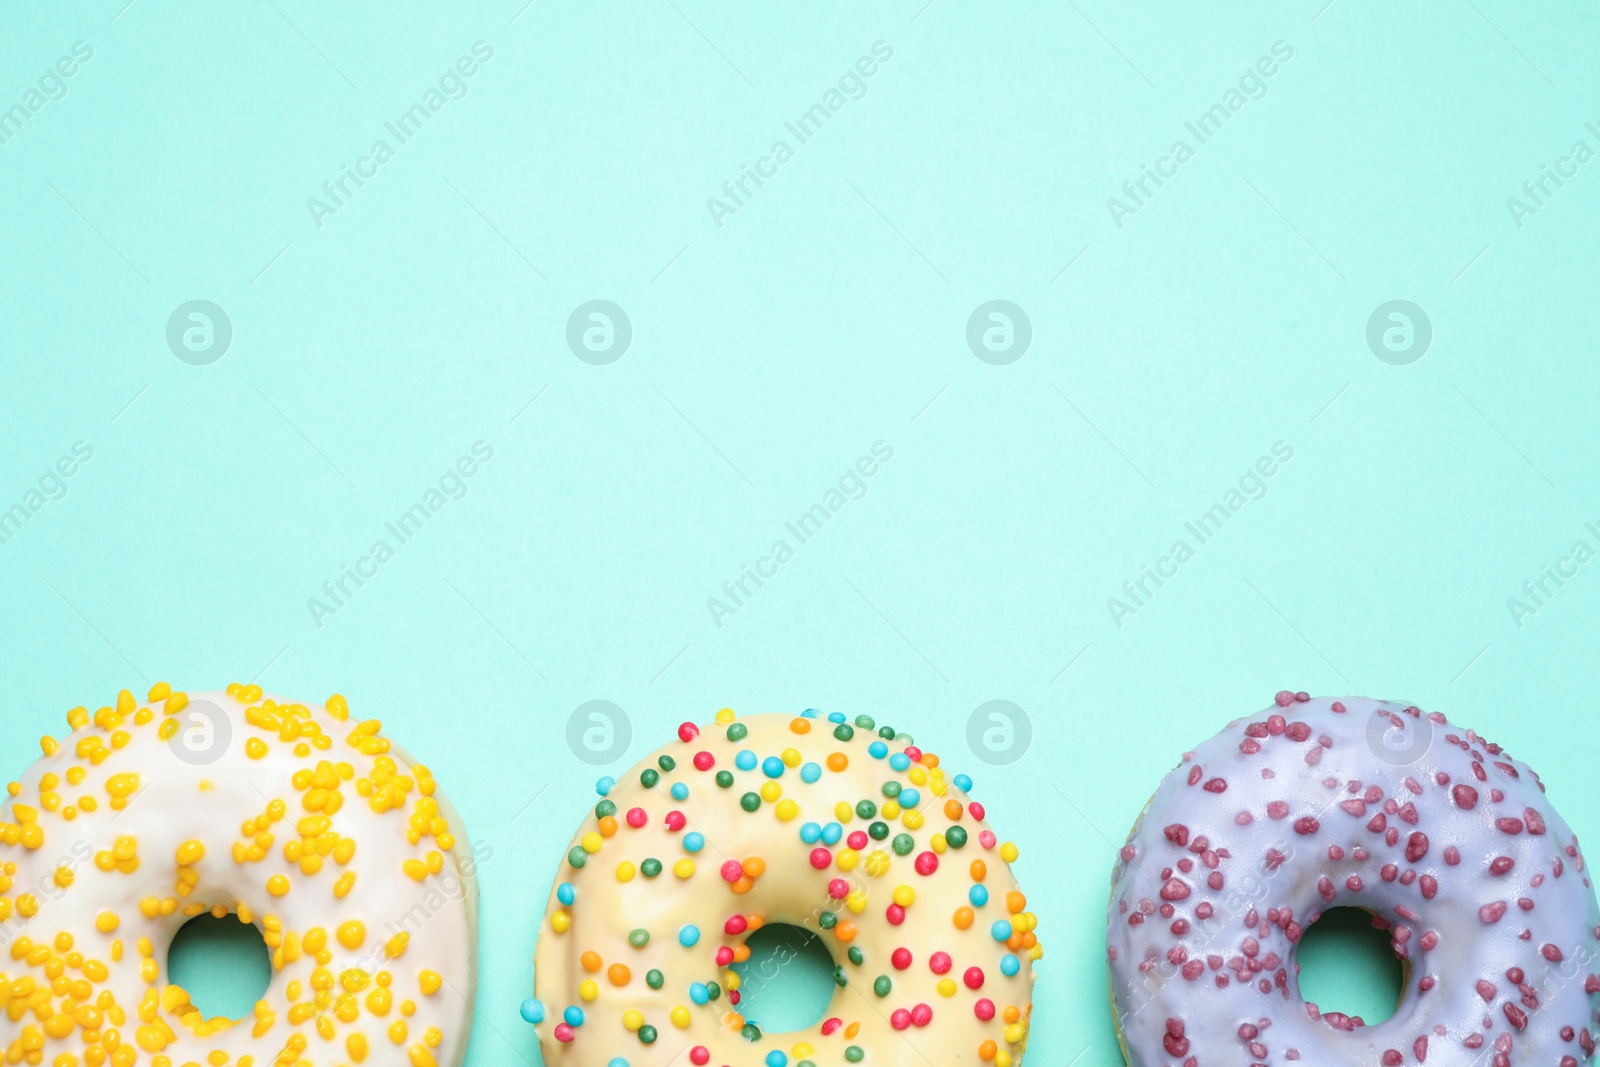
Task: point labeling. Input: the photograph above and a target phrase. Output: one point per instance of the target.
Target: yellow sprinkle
(429, 981)
(395, 947)
(588, 989)
(771, 791)
(724, 716)
(416, 870)
(63, 877)
(938, 843)
(791, 757)
(346, 882)
(190, 853)
(560, 921)
(122, 785)
(946, 987)
(684, 868)
(787, 810)
(352, 934)
(847, 859)
(680, 1017)
(356, 1046)
(890, 809)
(904, 895)
(911, 820)
(1008, 852)
(633, 1018)
(106, 922)
(877, 863)
(592, 841)
(255, 748)
(421, 1057)
(338, 707)
(278, 885)
(625, 871)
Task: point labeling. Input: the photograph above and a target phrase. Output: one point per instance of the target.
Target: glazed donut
(293, 817)
(1449, 842)
(844, 828)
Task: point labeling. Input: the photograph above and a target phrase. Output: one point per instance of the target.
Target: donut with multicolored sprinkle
(296, 818)
(841, 827)
(1446, 840)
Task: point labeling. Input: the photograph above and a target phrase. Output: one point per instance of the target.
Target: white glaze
(792, 891)
(177, 802)
(1376, 778)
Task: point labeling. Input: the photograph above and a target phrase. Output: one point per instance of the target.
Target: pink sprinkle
(1297, 731)
(987, 839)
(1174, 889)
(688, 732)
(821, 858)
(1392, 1057)
(831, 1025)
(921, 1015)
(1306, 825)
(984, 1009)
(563, 1032)
(1492, 913)
(973, 978)
(704, 761)
(857, 840)
(914, 753)
(732, 871)
(1416, 846)
(1216, 785)
(1283, 698)
(976, 809)
(900, 1019)
(637, 817)
(676, 821)
(895, 914)
(736, 924)
(724, 956)
(838, 889)
(700, 1056)
(1551, 953)
(939, 963)
(901, 958)
(926, 863)
(1501, 865)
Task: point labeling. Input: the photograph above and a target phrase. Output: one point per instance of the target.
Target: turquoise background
(1228, 313)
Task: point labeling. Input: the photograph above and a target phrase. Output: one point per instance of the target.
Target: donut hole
(1348, 965)
(787, 982)
(223, 964)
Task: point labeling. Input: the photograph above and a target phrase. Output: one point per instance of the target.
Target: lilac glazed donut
(1313, 804)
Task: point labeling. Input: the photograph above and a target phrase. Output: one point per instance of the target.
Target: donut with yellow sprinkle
(294, 817)
(838, 826)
